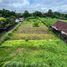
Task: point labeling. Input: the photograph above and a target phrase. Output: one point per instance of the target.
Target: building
(61, 27)
(19, 20)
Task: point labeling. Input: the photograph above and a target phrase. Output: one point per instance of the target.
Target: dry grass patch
(33, 30)
(32, 36)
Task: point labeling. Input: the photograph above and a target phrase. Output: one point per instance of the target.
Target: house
(61, 27)
(19, 20)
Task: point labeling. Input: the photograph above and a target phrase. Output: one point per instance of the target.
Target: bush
(36, 24)
(26, 39)
(2, 19)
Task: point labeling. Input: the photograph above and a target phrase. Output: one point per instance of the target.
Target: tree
(7, 22)
(2, 19)
(37, 13)
(65, 16)
(26, 14)
(7, 13)
(50, 13)
(2, 22)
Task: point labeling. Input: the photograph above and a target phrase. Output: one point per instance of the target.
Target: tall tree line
(6, 13)
(7, 18)
(50, 14)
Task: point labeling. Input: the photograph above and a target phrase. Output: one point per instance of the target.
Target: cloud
(33, 5)
(1, 1)
(19, 4)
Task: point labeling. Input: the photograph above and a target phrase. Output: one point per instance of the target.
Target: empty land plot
(27, 31)
(27, 28)
(49, 51)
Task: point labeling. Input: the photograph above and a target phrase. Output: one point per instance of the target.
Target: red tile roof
(61, 26)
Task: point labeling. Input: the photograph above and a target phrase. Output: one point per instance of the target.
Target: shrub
(2, 19)
(36, 24)
(26, 39)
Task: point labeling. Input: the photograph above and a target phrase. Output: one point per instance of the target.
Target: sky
(34, 5)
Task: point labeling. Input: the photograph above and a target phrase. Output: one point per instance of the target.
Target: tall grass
(38, 53)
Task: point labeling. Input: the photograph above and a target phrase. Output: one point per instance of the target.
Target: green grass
(51, 53)
(48, 21)
(30, 46)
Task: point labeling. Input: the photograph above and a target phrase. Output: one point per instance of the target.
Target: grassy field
(30, 46)
(28, 31)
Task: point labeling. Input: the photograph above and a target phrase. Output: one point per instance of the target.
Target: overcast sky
(33, 5)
